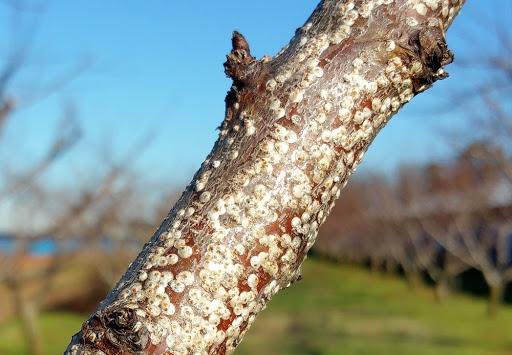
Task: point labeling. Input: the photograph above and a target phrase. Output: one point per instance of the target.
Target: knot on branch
(429, 47)
(116, 330)
(236, 66)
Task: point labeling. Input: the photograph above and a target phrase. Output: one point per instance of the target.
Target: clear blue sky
(155, 67)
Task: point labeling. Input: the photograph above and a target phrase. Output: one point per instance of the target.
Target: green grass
(56, 331)
(339, 310)
(344, 310)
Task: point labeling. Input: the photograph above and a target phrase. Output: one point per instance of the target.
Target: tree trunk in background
(296, 127)
(414, 280)
(29, 317)
(496, 291)
(375, 265)
(390, 266)
(27, 311)
(442, 288)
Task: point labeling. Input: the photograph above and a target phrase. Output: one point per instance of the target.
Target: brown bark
(296, 127)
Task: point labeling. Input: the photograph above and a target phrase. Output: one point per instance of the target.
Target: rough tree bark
(296, 127)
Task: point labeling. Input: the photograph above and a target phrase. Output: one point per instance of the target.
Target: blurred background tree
(447, 217)
(94, 211)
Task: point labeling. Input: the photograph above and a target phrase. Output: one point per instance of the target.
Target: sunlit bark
(296, 127)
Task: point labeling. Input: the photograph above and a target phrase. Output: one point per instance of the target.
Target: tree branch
(296, 127)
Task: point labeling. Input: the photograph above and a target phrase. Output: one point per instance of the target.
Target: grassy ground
(343, 310)
(339, 310)
(56, 330)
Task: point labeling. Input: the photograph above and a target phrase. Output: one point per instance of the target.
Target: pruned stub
(429, 46)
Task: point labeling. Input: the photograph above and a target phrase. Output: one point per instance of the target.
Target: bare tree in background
(96, 209)
(472, 220)
(30, 282)
(90, 214)
(43, 214)
(481, 234)
(464, 203)
(343, 236)
(480, 239)
(417, 197)
(432, 257)
(296, 127)
(21, 187)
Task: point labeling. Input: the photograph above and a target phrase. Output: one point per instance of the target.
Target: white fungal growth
(271, 85)
(280, 112)
(190, 211)
(205, 197)
(382, 81)
(411, 21)
(177, 286)
(186, 277)
(358, 63)
(296, 222)
(327, 107)
(347, 102)
(291, 137)
(300, 57)
(321, 117)
(318, 72)
(366, 8)
(340, 34)
(421, 9)
(344, 114)
(185, 251)
(250, 130)
(376, 104)
(390, 45)
(433, 4)
(274, 104)
(283, 76)
(233, 155)
(143, 275)
(281, 147)
(312, 62)
(199, 185)
(296, 95)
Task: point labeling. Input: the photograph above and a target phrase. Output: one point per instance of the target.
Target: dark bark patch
(236, 65)
(116, 330)
(429, 46)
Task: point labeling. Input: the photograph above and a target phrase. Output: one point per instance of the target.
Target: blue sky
(154, 69)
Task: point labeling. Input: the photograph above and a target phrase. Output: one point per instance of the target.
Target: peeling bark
(296, 127)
